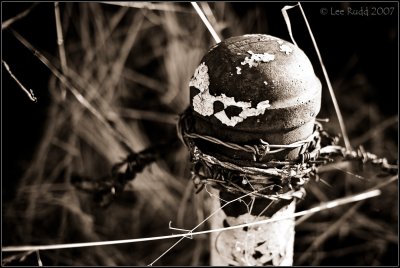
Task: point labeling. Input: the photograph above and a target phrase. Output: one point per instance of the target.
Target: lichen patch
(286, 49)
(203, 102)
(203, 105)
(200, 78)
(270, 243)
(256, 58)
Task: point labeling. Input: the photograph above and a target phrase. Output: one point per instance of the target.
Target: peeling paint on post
(246, 89)
(203, 103)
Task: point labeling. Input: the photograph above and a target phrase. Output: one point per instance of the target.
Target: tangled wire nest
(272, 179)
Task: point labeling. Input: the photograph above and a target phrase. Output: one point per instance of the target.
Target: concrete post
(250, 96)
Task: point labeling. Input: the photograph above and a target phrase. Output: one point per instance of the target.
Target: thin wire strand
(206, 22)
(198, 225)
(332, 93)
(321, 207)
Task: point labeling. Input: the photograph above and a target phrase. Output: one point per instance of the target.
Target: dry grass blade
(328, 81)
(20, 256)
(329, 232)
(179, 69)
(287, 21)
(88, 89)
(7, 23)
(126, 69)
(321, 207)
(206, 22)
(211, 18)
(125, 49)
(373, 132)
(39, 260)
(148, 115)
(28, 92)
(144, 80)
(61, 48)
(151, 6)
(82, 100)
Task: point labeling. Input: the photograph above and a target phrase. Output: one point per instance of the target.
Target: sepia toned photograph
(199, 133)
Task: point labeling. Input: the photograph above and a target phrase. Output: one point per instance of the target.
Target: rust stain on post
(246, 89)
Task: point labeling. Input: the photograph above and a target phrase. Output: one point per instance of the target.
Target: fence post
(254, 99)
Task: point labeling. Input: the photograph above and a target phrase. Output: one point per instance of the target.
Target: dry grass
(125, 69)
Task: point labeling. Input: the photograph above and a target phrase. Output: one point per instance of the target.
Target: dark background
(349, 45)
(372, 40)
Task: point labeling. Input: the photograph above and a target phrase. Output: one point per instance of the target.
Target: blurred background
(132, 64)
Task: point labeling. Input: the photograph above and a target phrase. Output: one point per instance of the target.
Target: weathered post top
(254, 87)
(251, 130)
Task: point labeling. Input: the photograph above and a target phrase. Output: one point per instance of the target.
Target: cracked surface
(259, 245)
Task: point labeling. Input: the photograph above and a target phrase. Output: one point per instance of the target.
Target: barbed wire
(278, 179)
(107, 188)
(284, 179)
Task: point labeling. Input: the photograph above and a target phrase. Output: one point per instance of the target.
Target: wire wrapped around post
(254, 175)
